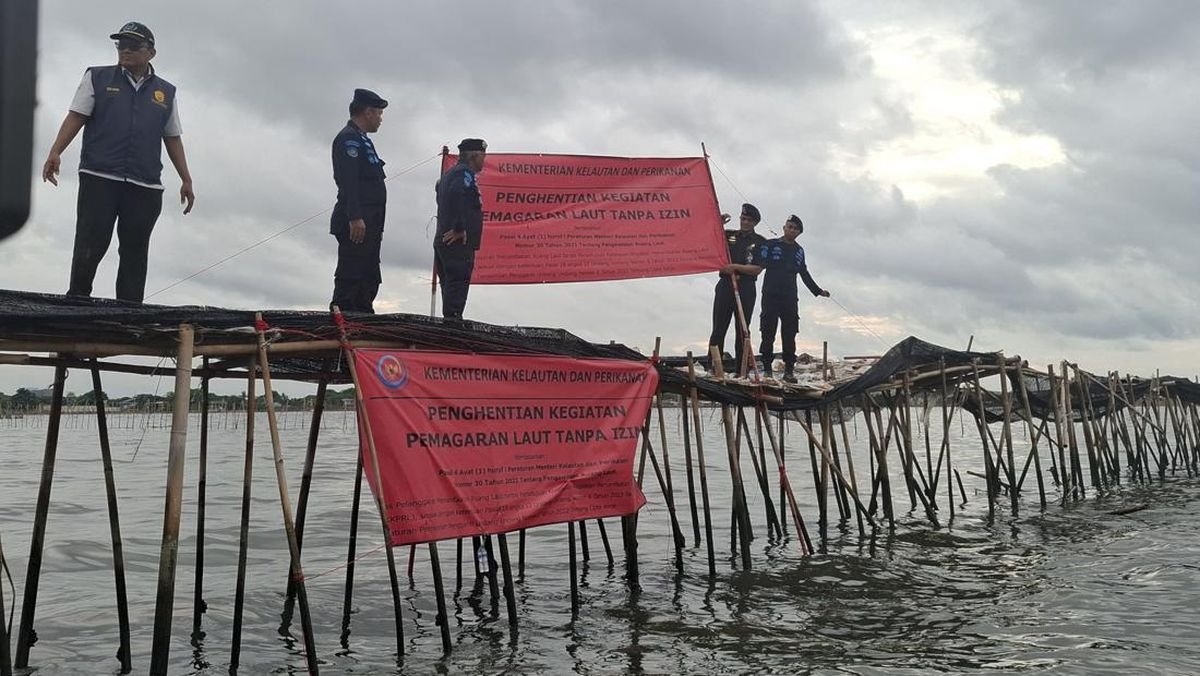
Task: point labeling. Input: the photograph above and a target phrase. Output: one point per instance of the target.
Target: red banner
(578, 218)
(474, 444)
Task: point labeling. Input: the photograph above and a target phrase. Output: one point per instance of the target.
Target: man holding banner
(783, 260)
(459, 226)
(741, 270)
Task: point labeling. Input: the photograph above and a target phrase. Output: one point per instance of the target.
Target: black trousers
(724, 313)
(134, 210)
(784, 313)
(357, 277)
(455, 265)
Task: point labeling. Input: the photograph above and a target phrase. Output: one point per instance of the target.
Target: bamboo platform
(1085, 433)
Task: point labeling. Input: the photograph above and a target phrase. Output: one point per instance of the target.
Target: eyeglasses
(131, 45)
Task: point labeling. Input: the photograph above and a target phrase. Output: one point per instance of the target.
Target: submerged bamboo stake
(1006, 402)
(987, 450)
(310, 456)
(365, 429)
(114, 523)
(199, 606)
(285, 503)
(684, 413)
(1065, 478)
(759, 471)
(25, 634)
(785, 483)
(352, 551)
(239, 594)
(945, 445)
(5, 655)
(165, 604)
(510, 596)
(1033, 440)
(858, 513)
(573, 570)
(741, 512)
(695, 397)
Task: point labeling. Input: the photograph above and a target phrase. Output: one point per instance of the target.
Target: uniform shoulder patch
(468, 179)
(352, 150)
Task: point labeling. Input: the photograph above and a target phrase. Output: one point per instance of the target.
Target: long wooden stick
(285, 503)
(37, 541)
(352, 552)
(310, 456)
(114, 523)
(239, 594)
(708, 534)
(164, 607)
(365, 427)
(5, 655)
(199, 606)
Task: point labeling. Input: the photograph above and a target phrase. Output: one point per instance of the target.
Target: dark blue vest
(123, 137)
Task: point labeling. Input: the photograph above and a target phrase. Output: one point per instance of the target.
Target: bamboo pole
(818, 485)
(1069, 417)
(1064, 476)
(741, 511)
(676, 534)
(37, 541)
(684, 413)
(945, 445)
(987, 451)
(604, 540)
(1006, 402)
(773, 525)
(1033, 441)
(510, 596)
(5, 655)
(352, 551)
(199, 606)
(239, 594)
(825, 453)
(165, 604)
(785, 483)
(880, 482)
(285, 503)
(310, 456)
(695, 397)
(858, 513)
(573, 570)
(114, 525)
(365, 429)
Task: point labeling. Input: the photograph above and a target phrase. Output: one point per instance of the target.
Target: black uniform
(781, 262)
(358, 172)
(459, 209)
(742, 245)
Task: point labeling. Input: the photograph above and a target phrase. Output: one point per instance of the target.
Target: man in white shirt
(127, 114)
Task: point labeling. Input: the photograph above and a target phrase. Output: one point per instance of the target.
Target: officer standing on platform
(742, 244)
(459, 226)
(783, 259)
(358, 216)
(127, 114)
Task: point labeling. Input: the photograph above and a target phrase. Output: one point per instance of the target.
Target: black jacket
(781, 261)
(358, 172)
(459, 206)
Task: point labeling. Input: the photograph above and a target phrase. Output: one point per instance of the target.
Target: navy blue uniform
(742, 245)
(460, 210)
(358, 172)
(781, 261)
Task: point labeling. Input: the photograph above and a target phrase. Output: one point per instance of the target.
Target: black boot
(789, 375)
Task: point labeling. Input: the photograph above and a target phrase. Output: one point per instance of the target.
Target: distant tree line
(27, 400)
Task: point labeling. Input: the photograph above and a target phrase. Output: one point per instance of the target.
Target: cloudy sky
(1024, 172)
